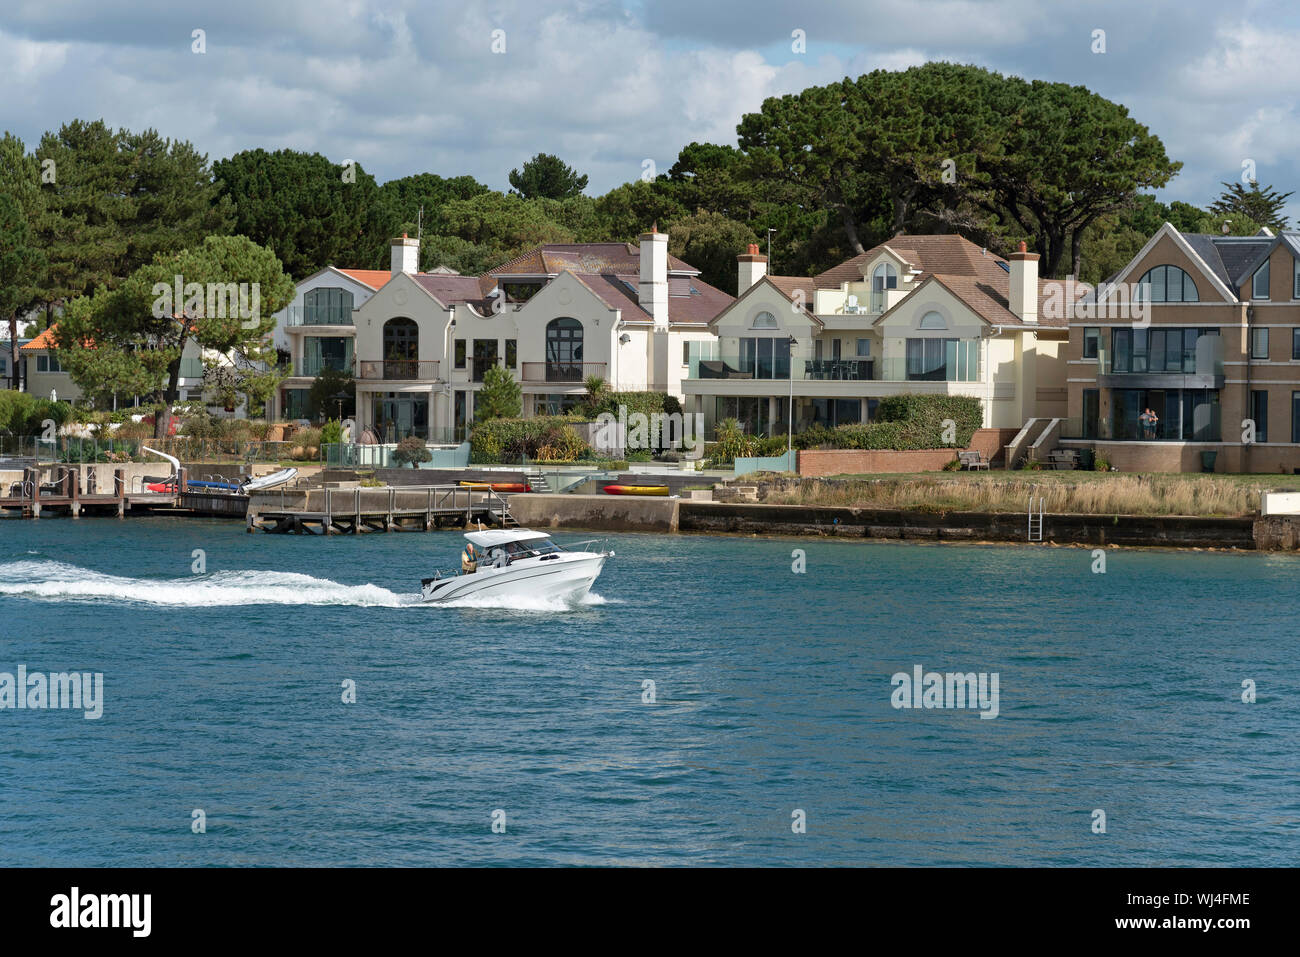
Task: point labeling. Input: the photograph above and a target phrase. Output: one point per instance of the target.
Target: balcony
(318, 316)
(961, 364)
(1184, 364)
(570, 372)
(398, 370)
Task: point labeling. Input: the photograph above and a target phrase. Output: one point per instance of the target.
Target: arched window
(564, 350)
(401, 348)
(932, 320)
(1167, 284)
(764, 320)
(327, 306)
(883, 277)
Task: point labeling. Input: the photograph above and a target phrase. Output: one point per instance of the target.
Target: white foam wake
(524, 602)
(57, 581)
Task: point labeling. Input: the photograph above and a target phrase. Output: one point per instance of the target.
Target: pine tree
(1262, 206)
(500, 397)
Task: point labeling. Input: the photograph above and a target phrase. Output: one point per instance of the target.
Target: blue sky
(405, 86)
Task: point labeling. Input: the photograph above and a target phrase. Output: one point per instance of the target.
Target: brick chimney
(406, 255)
(751, 267)
(1023, 297)
(653, 289)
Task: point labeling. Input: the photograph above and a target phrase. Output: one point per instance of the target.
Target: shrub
(411, 450)
(731, 443)
(500, 397)
(331, 432)
(509, 440)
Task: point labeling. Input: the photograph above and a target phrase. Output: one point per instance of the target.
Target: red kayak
(499, 486)
(636, 489)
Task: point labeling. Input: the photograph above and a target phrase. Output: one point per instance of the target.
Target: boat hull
(636, 490)
(564, 577)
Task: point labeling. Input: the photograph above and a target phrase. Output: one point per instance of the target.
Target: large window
(485, 357)
(48, 363)
(1165, 415)
(927, 359)
(765, 357)
(564, 350)
(398, 415)
(883, 277)
(1295, 416)
(1091, 405)
(1259, 414)
(1259, 283)
(327, 307)
(1170, 349)
(1167, 284)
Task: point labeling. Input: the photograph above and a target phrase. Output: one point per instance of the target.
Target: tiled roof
(796, 289)
(450, 290)
(583, 258)
(44, 341)
(374, 278)
(974, 275)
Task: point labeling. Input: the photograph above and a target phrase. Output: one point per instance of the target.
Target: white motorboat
(268, 481)
(518, 563)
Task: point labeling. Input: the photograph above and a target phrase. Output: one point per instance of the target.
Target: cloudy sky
(407, 86)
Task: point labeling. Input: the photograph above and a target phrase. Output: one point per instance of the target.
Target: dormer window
(1259, 283)
(883, 277)
(764, 320)
(932, 320)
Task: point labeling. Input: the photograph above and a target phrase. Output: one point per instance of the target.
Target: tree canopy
(1261, 207)
(547, 177)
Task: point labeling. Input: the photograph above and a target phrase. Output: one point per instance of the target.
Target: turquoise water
(222, 691)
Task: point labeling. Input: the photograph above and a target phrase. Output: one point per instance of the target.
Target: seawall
(620, 513)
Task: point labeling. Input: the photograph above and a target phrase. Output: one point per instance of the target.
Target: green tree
(20, 266)
(404, 198)
(949, 147)
(128, 340)
(627, 211)
(22, 263)
(115, 200)
(307, 210)
(710, 242)
(502, 226)
(546, 176)
(323, 395)
(500, 397)
(1262, 207)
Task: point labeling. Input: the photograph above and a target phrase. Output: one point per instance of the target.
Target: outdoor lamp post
(789, 431)
(340, 397)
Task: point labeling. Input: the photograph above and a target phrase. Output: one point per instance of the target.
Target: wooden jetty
(64, 493)
(352, 511)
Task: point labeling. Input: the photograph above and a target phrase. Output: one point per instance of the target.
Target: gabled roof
(943, 254)
(795, 289)
(451, 289)
(1251, 253)
(1205, 252)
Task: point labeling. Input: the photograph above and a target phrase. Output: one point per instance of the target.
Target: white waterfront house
(420, 343)
(922, 313)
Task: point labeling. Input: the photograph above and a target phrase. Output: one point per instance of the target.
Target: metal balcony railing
(410, 370)
(560, 371)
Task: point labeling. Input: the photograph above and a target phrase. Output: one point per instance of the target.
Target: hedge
(903, 422)
(507, 440)
(22, 413)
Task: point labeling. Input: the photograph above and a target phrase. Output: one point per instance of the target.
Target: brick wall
(820, 462)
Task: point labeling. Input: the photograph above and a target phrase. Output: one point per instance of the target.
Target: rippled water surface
(222, 691)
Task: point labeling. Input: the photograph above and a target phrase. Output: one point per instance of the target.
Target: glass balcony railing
(315, 365)
(959, 362)
(318, 316)
(1164, 354)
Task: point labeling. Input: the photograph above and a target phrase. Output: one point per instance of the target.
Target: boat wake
(59, 582)
(523, 603)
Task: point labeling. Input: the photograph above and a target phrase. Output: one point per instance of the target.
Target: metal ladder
(1035, 525)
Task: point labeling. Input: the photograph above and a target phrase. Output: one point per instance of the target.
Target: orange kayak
(499, 486)
(636, 489)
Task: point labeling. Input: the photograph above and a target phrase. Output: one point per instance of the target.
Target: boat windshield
(541, 546)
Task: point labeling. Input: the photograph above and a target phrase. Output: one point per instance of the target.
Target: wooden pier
(352, 511)
(32, 496)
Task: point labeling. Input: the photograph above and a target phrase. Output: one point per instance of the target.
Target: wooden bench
(1063, 459)
(972, 460)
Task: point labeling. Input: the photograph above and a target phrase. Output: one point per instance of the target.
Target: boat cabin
(499, 547)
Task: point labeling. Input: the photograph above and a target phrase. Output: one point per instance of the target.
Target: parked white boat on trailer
(518, 563)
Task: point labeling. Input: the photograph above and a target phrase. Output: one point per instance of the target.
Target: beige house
(420, 343)
(1206, 372)
(926, 314)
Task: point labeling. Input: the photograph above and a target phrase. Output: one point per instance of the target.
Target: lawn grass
(1089, 493)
